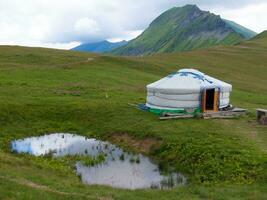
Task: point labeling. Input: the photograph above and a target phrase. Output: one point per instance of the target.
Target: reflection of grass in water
(154, 186)
(50, 153)
(63, 163)
(122, 157)
(132, 160)
(106, 146)
(135, 160)
(79, 176)
(168, 182)
(92, 161)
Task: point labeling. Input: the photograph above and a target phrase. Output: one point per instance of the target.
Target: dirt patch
(68, 92)
(139, 145)
(66, 65)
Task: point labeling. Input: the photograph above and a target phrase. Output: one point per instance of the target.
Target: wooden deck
(225, 114)
(229, 114)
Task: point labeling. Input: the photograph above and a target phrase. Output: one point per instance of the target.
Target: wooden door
(216, 101)
(215, 98)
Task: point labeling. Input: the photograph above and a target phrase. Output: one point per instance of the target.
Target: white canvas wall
(183, 90)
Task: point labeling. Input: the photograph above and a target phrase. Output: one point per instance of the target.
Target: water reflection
(120, 169)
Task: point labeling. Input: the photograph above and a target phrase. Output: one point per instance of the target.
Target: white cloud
(87, 27)
(39, 27)
(60, 23)
(251, 16)
(53, 45)
(128, 35)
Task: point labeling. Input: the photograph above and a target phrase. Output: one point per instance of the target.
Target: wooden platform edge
(176, 117)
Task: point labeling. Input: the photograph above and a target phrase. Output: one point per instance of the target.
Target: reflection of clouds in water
(133, 172)
(61, 144)
(125, 174)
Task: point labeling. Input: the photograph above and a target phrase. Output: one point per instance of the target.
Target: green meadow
(47, 91)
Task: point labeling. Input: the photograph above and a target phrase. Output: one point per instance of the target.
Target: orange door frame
(216, 101)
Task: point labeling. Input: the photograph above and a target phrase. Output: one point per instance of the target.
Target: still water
(120, 169)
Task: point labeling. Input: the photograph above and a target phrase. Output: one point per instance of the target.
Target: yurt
(188, 91)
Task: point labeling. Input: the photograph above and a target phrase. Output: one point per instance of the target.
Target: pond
(119, 169)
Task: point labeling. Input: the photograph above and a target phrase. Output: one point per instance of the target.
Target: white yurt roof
(187, 81)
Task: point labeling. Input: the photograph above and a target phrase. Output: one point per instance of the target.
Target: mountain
(99, 47)
(182, 29)
(246, 33)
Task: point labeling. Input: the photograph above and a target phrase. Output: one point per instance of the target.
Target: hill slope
(259, 40)
(99, 47)
(45, 90)
(182, 29)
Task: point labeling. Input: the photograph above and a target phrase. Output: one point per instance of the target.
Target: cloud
(66, 22)
(53, 45)
(85, 27)
(251, 16)
(223, 4)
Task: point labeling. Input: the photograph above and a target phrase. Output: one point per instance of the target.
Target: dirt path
(75, 63)
(36, 186)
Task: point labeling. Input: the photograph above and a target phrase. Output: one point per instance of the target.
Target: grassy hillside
(183, 29)
(44, 91)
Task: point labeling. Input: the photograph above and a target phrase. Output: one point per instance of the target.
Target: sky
(65, 24)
